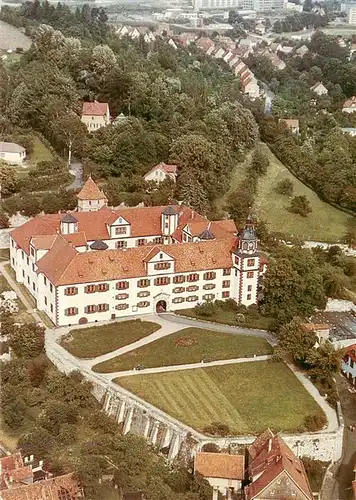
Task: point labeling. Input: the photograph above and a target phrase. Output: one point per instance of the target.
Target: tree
(295, 341)
(38, 442)
(69, 130)
(4, 220)
(300, 205)
(285, 187)
(260, 162)
(324, 362)
(14, 412)
(56, 413)
(27, 340)
(8, 178)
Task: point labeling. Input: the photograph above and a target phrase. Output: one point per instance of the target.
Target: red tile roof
(56, 488)
(90, 191)
(63, 265)
(350, 352)
(95, 108)
(270, 457)
(350, 103)
(168, 169)
(220, 465)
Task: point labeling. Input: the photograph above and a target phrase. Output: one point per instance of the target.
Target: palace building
(98, 263)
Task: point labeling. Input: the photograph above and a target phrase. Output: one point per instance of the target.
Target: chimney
(32, 458)
(269, 445)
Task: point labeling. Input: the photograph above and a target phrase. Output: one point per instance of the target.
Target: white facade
(348, 364)
(351, 14)
(12, 153)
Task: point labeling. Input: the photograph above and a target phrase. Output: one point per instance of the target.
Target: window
(209, 296)
(103, 287)
(103, 307)
(23, 273)
(51, 287)
(162, 265)
(13, 262)
(250, 262)
(158, 240)
(209, 286)
(226, 283)
(51, 307)
(121, 244)
(143, 294)
(121, 230)
(225, 295)
(143, 283)
(179, 279)
(192, 277)
(45, 301)
(192, 288)
(28, 261)
(141, 242)
(122, 285)
(45, 280)
(33, 267)
(71, 311)
(166, 225)
(248, 296)
(237, 261)
(226, 272)
(192, 298)
(23, 254)
(209, 276)
(71, 290)
(178, 289)
(90, 309)
(28, 279)
(122, 296)
(34, 287)
(121, 307)
(249, 288)
(143, 303)
(90, 289)
(162, 281)
(178, 300)
(250, 274)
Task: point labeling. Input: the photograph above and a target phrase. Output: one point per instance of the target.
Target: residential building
(95, 115)
(274, 471)
(224, 472)
(27, 479)
(348, 364)
(291, 123)
(101, 264)
(161, 172)
(251, 5)
(349, 130)
(302, 51)
(12, 153)
(349, 105)
(351, 13)
(319, 89)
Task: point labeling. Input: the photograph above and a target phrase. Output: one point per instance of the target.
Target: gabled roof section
(95, 108)
(76, 239)
(55, 262)
(220, 465)
(68, 218)
(170, 210)
(39, 226)
(155, 251)
(168, 169)
(56, 488)
(43, 242)
(90, 191)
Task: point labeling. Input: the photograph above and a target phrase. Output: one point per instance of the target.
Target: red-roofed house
(348, 364)
(96, 264)
(275, 472)
(161, 172)
(224, 472)
(95, 115)
(349, 105)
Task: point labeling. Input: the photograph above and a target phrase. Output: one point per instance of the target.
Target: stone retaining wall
(171, 435)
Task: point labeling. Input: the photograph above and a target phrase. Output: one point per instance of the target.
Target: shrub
(38, 442)
(300, 205)
(14, 412)
(315, 422)
(57, 413)
(211, 448)
(67, 433)
(4, 220)
(285, 187)
(217, 429)
(206, 309)
(27, 340)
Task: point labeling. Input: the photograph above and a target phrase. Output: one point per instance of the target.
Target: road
(76, 168)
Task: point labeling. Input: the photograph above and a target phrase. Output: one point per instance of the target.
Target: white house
(348, 364)
(349, 105)
(161, 172)
(224, 472)
(291, 123)
(319, 89)
(97, 263)
(95, 115)
(349, 130)
(12, 153)
(302, 51)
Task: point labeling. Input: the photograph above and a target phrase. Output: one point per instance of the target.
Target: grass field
(40, 152)
(230, 318)
(325, 223)
(208, 345)
(248, 398)
(98, 340)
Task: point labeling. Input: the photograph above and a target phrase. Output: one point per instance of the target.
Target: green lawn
(325, 223)
(40, 152)
(97, 340)
(175, 349)
(230, 318)
(248, 397)
(237, 176)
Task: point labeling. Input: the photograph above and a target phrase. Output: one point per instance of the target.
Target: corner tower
(247, 263)
(91, 198)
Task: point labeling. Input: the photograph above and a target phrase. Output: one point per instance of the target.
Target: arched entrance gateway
(161, 306)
